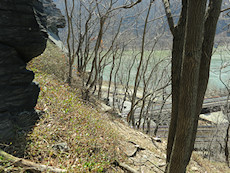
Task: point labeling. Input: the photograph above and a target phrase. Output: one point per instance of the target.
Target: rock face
(55, 19)
(22, 36)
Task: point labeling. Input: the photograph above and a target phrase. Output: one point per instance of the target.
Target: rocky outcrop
(22, 36)
(55, 19)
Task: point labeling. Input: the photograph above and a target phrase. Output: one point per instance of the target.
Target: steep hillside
(78, 136)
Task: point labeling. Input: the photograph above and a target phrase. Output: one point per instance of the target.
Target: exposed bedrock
(55, 19)
(22, 37)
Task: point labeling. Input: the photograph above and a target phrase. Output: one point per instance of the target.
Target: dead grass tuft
(53, 61)
(71, 134)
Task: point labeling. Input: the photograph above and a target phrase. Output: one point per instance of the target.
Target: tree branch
(26, 163)
(169, 15)
(127, 6)
(131, 5)
(225, 10)
(125, 166)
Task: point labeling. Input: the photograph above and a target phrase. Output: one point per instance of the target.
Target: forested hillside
(74, 135)
(221, 27)
(125, 86)
(151, 61)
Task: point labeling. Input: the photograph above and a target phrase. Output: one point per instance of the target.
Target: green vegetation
(53, 61)
(71, 133)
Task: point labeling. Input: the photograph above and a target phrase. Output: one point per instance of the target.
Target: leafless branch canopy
(127, 6)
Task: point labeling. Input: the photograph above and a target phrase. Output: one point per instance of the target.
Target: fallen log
(19, 162)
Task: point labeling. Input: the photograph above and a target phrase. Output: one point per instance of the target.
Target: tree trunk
(210, 19)
(130, 116)
(110, 80)
(181, 151)
(177, 52)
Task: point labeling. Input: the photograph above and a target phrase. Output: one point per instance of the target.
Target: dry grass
(71, 134)
(53, 61)
(206, 165)
(89, 142)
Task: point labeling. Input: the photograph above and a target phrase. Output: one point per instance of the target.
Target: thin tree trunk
(110, 79)
(130, 116)
(177, 52)
(226, 150)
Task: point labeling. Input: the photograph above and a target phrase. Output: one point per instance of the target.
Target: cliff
(23, 35)
(55, 19)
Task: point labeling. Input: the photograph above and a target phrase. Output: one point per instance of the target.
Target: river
(219, 58)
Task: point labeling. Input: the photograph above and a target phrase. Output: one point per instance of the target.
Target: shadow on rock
(14, 130)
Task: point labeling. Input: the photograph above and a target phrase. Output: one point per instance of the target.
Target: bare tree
(130, 117)
(70, 37)
(226, 107)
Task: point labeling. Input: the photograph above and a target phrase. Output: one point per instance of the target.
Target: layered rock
(55, 19)
(22, 36)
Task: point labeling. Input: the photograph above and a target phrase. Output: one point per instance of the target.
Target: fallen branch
(126, 167)
(138, 148)
(157, 166)
(28, 164)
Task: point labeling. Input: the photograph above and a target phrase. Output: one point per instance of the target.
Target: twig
(225, 10)
(138, 148)
(126, 6)
(156, 166)
(126, 167)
